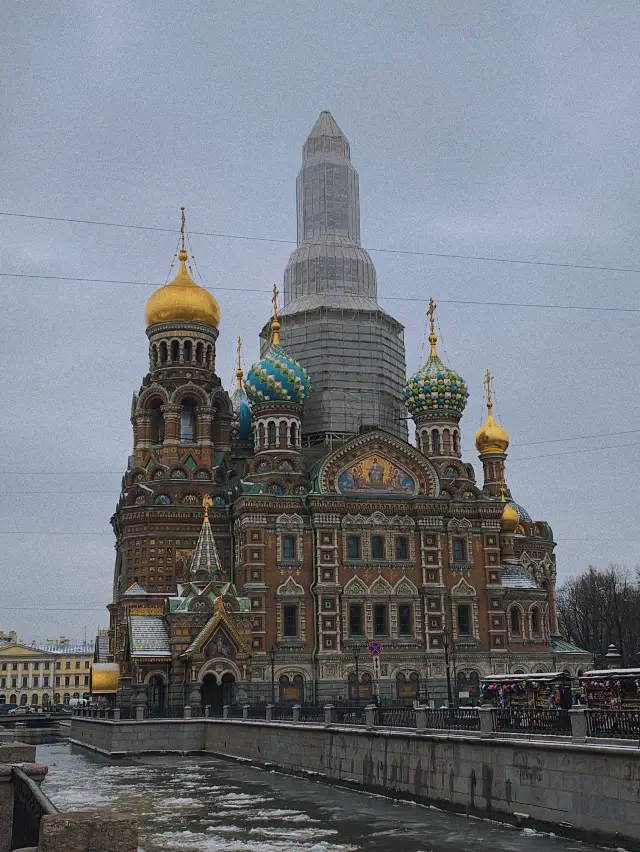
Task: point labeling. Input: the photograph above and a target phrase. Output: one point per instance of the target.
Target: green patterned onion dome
(277, 378)
(435, 387)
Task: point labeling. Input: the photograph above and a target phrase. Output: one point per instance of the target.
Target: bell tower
(181, 419)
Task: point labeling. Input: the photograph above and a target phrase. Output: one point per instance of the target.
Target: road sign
(375, 648)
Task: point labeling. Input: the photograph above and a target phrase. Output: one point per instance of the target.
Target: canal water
(210, 805)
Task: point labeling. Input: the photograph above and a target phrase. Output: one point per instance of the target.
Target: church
(269, 538)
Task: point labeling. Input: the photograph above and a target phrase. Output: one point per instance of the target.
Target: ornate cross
(182, 225)
(487, 387)
(274, 301)
(431, 313)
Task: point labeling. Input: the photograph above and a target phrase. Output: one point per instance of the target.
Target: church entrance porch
(217, 691)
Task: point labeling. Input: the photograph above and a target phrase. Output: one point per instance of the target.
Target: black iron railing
(532, 720)
(312, 714)
(282, 712)
(454, 719)
(350, 715)
(619, 724)
(29, 806)
(396, 717)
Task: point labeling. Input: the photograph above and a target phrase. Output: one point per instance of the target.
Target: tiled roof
(517, 577)
(522, 513)
(558, 645)
(149, 637)
(205, 557)
(135, 589)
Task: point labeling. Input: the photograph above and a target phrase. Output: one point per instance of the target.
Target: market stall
(536, 689)
(612, 689)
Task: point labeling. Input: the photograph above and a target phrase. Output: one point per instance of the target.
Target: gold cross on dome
(274, 301)
(487, 387)
(182, 228)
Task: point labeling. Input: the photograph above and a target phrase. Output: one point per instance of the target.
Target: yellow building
(40, 677)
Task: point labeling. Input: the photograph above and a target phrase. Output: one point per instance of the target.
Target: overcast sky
(502, 129)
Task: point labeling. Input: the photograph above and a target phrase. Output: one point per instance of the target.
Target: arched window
(292, 435)
(163, 357)
(271, 433)
(188, 349)
(464, 620)
(377, 547)
(23, 700)
(353, 547)
(282, 434)
(261, 436)
(435, 441)
(156, 427)
(34, 699)
(535, 621)
(188, 421)
(456, 443)
(458, 550)
(446, 442)
(154, 355)
(545, 585)
(199, 348)
(175, 351)
(210, 357)
(288, 547)
(13, 699)
(515, 619)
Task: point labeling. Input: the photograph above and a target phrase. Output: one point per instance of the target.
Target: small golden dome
(182, 300)
(510, 519)
(491, 437)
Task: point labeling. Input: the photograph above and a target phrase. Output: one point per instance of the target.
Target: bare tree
(598, 608)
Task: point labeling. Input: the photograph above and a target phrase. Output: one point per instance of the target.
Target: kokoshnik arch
(266, 535)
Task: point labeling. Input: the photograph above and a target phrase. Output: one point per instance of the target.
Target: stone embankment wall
(586, 790)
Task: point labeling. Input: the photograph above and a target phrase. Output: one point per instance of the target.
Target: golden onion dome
(510, 519)
(491, 437)
(182, 300)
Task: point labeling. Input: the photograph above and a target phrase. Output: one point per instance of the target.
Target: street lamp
(445, 645)
(272, 657)
(356, 657)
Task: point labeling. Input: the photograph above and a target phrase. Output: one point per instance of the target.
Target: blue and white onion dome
(277, 377)
(435, 387)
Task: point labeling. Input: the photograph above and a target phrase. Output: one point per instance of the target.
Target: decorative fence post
(578, 718)
(207, 710)
(486, 721)
(295, 713)
(187, 711)
(421, 718)
(328, 714)
(116, 714)
(225, 711)
(245, 711)
(370, 715)
(268, 715)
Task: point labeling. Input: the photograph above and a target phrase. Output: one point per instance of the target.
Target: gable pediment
(18, 650)
(378, 464)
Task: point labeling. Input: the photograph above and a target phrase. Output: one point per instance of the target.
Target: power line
(57, 608)
(120, 472)
(575, 452)
(411, 299)
(280, 241)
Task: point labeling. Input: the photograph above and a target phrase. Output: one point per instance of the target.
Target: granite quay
(581, 787)
(30, 821)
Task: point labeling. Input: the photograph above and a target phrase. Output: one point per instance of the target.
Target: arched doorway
(216, 694)
(157, 695)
